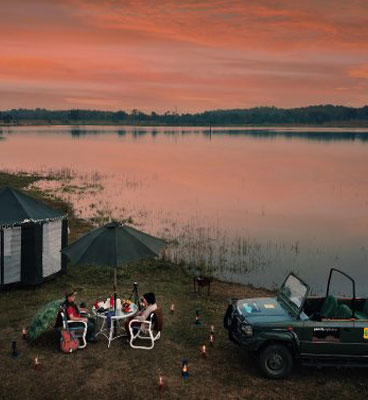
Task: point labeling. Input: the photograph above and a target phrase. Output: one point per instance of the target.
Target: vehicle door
(329, 336)
(326, 337)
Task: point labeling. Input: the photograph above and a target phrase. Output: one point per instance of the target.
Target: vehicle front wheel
(275, 361)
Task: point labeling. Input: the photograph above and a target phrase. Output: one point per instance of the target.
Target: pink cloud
(359, 72)
(193, 54)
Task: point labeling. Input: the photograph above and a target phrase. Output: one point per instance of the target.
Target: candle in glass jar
(197, 318)
(203, 351)
(36, 363)
(212, 341)
(160, 381)
(184, 369)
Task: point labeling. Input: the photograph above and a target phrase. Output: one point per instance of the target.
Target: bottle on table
(118, 306)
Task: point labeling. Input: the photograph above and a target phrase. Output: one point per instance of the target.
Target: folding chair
(146, 330)
(78, 327)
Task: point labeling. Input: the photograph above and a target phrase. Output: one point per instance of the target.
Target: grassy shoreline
(121, 372)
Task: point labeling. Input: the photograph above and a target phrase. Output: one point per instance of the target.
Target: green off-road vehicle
(293, 326)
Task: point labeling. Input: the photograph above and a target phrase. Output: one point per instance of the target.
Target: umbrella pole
(115, 297)
(115, 287)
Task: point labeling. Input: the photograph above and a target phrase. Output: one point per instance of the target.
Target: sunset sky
(188, 55)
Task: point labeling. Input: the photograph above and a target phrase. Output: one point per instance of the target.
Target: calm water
(253, 204)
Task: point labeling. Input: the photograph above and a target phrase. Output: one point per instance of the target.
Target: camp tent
(31, 238)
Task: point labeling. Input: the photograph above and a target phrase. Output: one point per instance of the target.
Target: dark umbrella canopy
(113, 245)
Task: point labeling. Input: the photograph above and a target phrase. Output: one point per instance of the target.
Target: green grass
(123, 373)
(18, 181)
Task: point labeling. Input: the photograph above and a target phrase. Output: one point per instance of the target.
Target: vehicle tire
(275, 361)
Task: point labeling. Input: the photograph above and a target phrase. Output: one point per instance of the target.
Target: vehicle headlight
(247, 329)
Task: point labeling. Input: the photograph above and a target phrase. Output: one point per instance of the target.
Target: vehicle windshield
(293, 291)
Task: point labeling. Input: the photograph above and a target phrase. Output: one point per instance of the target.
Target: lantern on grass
(212, 335)
(161, 382)
(172, 308)
(197, 318)
(14, 352)
(36, 363)
(184, 369)
(212, 339)
(24, 333)
(203, 351)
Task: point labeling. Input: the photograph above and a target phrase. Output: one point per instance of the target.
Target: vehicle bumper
(252, 343)
(233, 323)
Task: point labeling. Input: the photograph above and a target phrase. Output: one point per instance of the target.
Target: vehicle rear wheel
(275, 361)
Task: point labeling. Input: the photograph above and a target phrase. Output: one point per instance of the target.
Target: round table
(108, 332)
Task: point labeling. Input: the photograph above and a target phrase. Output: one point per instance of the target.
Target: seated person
(149, 306)
(73, 314)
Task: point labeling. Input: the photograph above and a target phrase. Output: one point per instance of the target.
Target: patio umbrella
(44, 318)
(113, 245)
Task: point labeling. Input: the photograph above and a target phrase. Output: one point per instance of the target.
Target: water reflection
(309, 134)
(76, 132)
(324, 135)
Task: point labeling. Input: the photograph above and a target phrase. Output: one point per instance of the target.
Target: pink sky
(186, 55)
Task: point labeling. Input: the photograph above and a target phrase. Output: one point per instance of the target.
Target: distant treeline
(312, 115)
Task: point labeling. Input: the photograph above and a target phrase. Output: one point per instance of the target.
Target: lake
(250, 204)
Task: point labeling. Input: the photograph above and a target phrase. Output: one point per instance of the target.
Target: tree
(74, 115)
(7, 118)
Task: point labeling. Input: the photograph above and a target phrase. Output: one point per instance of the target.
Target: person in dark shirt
(149, 306)
(73, 314)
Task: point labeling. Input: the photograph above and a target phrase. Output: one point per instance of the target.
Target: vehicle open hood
(263, 310)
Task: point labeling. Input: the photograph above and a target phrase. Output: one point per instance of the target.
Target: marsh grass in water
(227, 255)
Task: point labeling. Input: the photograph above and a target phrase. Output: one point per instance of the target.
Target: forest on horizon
(311, 115)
